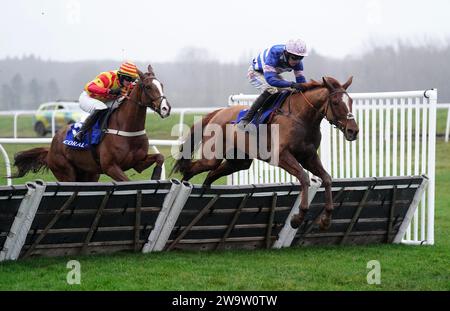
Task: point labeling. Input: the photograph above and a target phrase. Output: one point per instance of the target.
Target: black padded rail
(366, 211)
(246, 217)
(85, 218)
(10, 199)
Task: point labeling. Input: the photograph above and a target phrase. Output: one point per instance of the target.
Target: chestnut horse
(298, 119)
(117, 152)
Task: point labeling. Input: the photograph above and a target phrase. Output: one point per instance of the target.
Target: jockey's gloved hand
(299, 87)
(116, 91)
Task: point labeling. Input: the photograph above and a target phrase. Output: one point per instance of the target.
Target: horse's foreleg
(148, 161)
(314, 165)
(288, 162)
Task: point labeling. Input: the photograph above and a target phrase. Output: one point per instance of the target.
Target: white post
(432, 95)
(53, 123)
(16, 115)
(387, 138)
(7, 164)
(366, 139)
(180, 124)
(381, 142)
(447, 128)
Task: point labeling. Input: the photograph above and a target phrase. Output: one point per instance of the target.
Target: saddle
(94, 136)
(264, 114)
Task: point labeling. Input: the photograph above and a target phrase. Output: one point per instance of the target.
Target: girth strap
(123, 133)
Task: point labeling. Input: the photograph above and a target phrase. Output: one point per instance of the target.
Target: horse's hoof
(325, 223)
(156, 175)
(296, 221)
(206, 186)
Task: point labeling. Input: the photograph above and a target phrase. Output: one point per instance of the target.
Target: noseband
(338, 123)
(152, 99)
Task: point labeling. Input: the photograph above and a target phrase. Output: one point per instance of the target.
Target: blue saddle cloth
(261, 118)
(91, 138)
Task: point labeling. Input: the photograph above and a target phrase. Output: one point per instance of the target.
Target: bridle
(160, 98)
(333, 121)
(140, 85)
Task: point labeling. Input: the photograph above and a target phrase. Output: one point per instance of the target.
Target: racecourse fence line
(60, 219)
(397, 138)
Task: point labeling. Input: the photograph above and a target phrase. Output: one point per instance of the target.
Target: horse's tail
(182, 164)
(30, 160)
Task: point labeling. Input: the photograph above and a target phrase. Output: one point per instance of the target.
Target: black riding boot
(88, 123)
(259, 102)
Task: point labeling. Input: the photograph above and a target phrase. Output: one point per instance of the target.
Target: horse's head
(339, 107)
(152, 93)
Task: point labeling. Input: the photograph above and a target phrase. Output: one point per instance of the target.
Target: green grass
(313, 268)
(309, 268)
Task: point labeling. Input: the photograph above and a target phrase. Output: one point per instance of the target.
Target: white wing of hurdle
(397, 138)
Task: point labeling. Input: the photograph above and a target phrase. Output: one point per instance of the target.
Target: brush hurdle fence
(60, 219)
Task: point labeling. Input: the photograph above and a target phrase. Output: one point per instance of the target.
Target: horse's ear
(150, 70)
(141, 75)
(327, 84)
(347, 84)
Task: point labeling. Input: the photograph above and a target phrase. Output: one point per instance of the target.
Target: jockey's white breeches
(90, 104)
(257, 80)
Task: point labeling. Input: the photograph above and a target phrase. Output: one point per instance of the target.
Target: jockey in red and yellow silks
(101, 92)
(100, 87)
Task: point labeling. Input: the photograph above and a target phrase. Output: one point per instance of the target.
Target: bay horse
(123, 148)
(298, 119)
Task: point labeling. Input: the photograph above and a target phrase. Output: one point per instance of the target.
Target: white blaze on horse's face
(346, 100)
(164, 108)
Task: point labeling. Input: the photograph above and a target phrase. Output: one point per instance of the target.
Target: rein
(152, 99)
(333, 121)
(137, 133)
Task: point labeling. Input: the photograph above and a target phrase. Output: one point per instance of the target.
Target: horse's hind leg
(226, 168)
(62, 169)
(288, 162)
(314, 165)
(85, 176)
(201, 166)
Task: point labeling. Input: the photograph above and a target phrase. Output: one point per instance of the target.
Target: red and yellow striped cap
(128, 69)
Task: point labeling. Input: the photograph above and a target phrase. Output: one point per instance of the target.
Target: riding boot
(259, 102)
(87, 124)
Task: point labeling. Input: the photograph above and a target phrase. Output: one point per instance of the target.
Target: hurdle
(61, 219)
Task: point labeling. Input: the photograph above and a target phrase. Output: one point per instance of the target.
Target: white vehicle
(66, 112)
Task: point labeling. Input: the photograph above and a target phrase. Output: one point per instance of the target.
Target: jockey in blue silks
(264, 73)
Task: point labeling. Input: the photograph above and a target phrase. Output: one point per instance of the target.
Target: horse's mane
(312, 85)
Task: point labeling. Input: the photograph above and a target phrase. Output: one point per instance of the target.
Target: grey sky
(230, 30)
